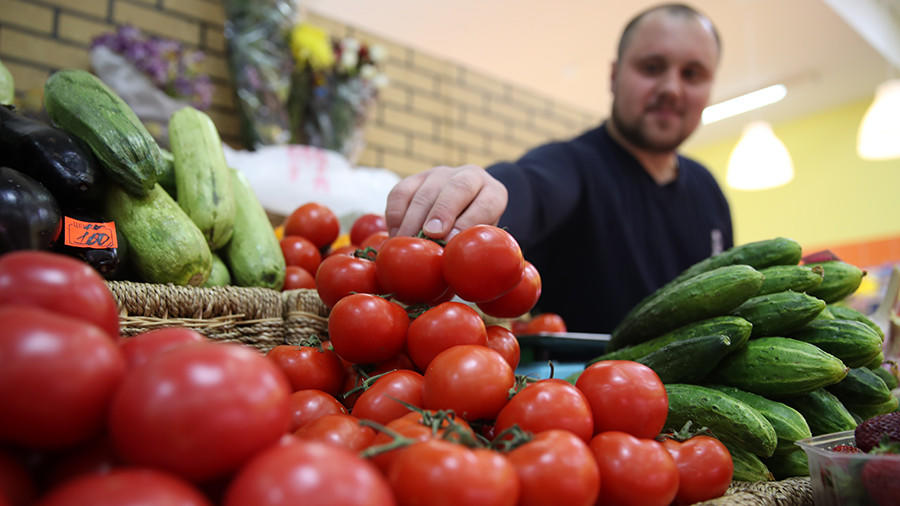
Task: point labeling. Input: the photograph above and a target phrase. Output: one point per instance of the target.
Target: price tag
(83, 234)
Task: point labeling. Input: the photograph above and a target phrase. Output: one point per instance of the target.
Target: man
(616, 212)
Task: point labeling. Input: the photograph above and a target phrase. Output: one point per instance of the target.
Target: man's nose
(670, 84)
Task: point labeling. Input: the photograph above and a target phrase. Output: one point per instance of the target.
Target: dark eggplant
(29, 215)
(109, 262)
(58, 160)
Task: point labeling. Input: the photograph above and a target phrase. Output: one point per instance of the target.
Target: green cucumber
(866, 411)
(824, 412)
(841, 279)
(7, 86)
(889, 379)
(253, 254)
(789, 424)
(727, 418)
(876, 361)
(778, 313)
(164, 244)
(861, 386)
(786, 465)
(826, 314)
(848, 313)
(797, 278)
(689, 360)
(747, 466)
(851, 341)
(82, 105)
(758, 254)
(712, 293)
(736, 328)
(778, 366)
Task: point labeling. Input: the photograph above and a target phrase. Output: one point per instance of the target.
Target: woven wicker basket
(260, 317)
(787, 492)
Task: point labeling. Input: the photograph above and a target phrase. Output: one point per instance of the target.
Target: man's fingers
(485, 208)
(398, 201)
(456, 195)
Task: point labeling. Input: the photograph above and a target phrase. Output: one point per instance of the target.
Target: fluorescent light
(759, 160)
(879, 132)
(744, 103)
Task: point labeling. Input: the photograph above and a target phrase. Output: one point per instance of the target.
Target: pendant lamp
(759, 160)
(879, 133)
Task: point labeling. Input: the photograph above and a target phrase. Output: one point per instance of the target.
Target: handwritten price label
(83, 234)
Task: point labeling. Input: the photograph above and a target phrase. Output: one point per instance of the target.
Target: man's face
(663, 81)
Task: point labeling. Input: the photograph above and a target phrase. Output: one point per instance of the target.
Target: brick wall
(432, 112)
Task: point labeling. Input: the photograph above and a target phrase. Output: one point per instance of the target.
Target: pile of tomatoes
(410, 399)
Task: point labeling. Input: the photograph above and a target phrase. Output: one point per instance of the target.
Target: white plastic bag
(284, 177)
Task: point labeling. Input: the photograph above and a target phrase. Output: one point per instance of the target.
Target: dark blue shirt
(601, 232)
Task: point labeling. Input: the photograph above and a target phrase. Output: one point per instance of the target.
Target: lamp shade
(879, 133)
(759, 160)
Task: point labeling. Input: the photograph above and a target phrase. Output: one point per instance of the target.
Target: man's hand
(443, 201)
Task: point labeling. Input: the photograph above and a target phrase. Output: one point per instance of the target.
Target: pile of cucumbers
(757, 348)
(188, 218)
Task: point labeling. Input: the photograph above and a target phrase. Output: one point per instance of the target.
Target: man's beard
(634, 134)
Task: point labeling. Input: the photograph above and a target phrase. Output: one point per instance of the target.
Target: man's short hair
(672, 9)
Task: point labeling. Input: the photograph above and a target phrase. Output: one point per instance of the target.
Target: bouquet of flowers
(334, 85)
(168, 65)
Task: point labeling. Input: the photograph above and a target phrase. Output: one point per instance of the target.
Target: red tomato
(57, 377)
(341, 275)
(126, 487)
(445, 325)
(308, 472)
(504, 342)
(341, 430)
(308, 405)
(60, 284)
(16, 485)
(366, 328)
(626, 396)
(482, 263)
(634, 471)
(348, 250)
(443, 473)
(556, 467)
(409, 268)
(200, 410)
(472, 380)
(300, 251)
(374, 241)
(704, 466)
(142, 347)
(297, 277)
(315, 222)
(519, 300)
(379, 402)
(419, 427)
(366, 225)
(309, 367)
(548, 404)
(545, 322)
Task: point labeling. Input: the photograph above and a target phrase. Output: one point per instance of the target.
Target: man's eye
(652, 67)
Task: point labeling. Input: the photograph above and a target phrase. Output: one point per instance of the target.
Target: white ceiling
(564, 48)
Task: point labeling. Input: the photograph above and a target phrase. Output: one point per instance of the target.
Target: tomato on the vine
(341, 275)
(308, 405)
(300, 251)
(314, 221)
(366, 328)
(518, 301)
(296, 277)
(440, 327)
(418, 426)
(634, 471)
(380, 402)
(374, 241)
(472, 380)
(309, 367)
(556, 467)
(626, 396)
(142, 347)
(705, 468)
(482, 263)
(339, 429)
(409, 268)
(366, 225)
(126, 486)
(545, 322)
(504, 342)
(548, 404)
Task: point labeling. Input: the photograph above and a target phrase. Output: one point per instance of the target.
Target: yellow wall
(835, 197)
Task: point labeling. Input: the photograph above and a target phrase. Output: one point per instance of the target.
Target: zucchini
(165, 174)
(778, 313)
(789, 424)
(253, 254)
(219, 275)
(778, 366)
(824, 412)
(866, 411)
(164, 244)
(202, 179)
(758, 254)
(797, 278)
(730, 420)
(841, 279)
(82, 105)
(735, 328)
(861, 386)
(688, 360)
(747, 466)
(889, 379)
(848, 313)
(851, 341)
(7, 86)
(786, 465)
(712, 293)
